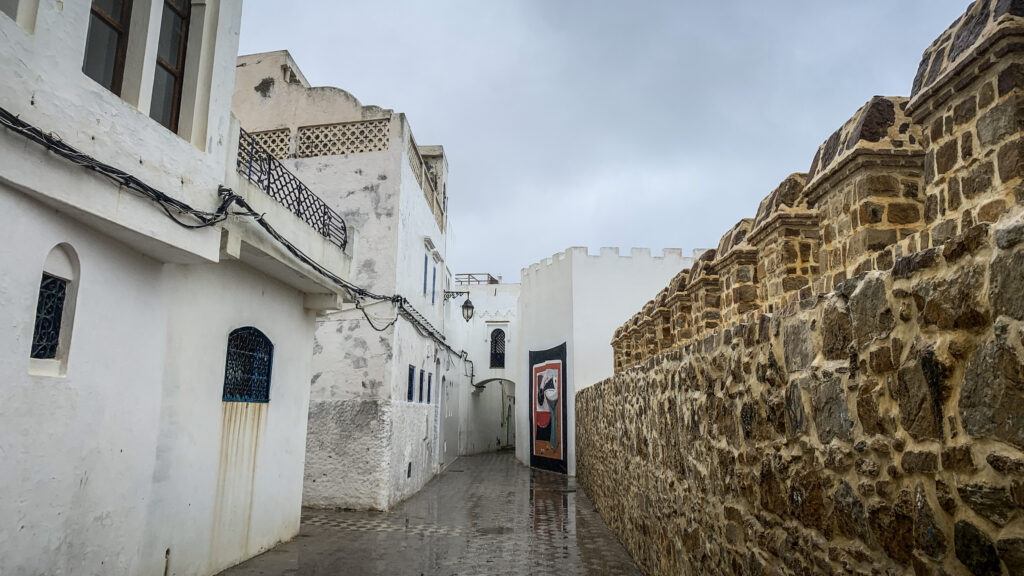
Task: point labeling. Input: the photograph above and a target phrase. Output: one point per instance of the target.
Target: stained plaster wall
(363, 434)
(131, 463)
(139, 455)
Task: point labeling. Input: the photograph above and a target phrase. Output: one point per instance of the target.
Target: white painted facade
(368, 445)
(119, 456)
(580, 299)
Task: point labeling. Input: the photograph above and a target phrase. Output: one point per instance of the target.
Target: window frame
(430, 384)
(179, 74)
(495, 354)
(411, 396)
(122, 28)
(421, 385)
(262, 396)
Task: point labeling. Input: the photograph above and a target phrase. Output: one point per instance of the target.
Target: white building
(377, 429)
(579, 299)
(154, 377)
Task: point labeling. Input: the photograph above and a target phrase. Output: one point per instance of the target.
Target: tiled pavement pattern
(485, 515)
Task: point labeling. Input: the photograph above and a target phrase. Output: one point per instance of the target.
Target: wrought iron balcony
(265, 171)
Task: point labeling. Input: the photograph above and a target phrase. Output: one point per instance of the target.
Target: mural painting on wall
(548, 412)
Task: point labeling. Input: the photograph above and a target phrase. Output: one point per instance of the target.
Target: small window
(421, 385)
(249, 364)
(107, 42)
(433, 287)
(49, 313)
(170, 63)
(430, 383)
(55, 311)
(498, 348)
(426, 260)
(412, 383)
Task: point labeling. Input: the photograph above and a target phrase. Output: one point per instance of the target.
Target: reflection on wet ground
(486, 514)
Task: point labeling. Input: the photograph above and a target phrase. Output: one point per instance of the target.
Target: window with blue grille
(49, 312)
(433, 286)
(426, 261)
(248, 367)
(430, 383)
(421, 385)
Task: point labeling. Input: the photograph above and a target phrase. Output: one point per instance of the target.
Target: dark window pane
(101, 53)
(111, 8)
(9, 7)
(172, 28)
(180, 4)
(249, 363)
(49, 312)
(161, 108)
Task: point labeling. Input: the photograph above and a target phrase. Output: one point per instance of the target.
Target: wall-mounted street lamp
(467, 306)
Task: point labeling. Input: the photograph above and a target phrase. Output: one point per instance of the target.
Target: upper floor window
(248, 367)
(498, 348)
(107, 42)
(165, 106)
(55, 312)
(412, 384)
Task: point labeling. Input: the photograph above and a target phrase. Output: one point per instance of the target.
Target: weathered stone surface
(904, 213)
(836, 331)
(1011, 78)
(1005, 464)
(944, 494)
(956, 303)
(964, 111)
(991, 211)
(958, 458)
(992, 396)
(869, 308)
(946, 157)
(871, 213)
(907, 265)
(975, 550)
(795, 419)
(850, 518)
(1009, 236)
(993, 502)
(1007, 284)
(799, 347)
(968, 242)
(919, 462)
(1011, 552)
(918, 392)
(1010, 160)
(978, 180)
(867, 411)
(1012, 7)
(831, 414)
(1002, 121)
(928, 535)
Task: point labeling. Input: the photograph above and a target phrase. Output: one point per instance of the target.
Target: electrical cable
(204, 219)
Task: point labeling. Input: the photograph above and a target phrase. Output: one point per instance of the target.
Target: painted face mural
(547, 369)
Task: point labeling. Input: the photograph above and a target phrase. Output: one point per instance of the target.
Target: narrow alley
(485, 514)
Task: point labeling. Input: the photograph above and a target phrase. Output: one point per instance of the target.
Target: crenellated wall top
(984, 22)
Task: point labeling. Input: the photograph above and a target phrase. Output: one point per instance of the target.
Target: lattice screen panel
(345, 138)
(277, 142)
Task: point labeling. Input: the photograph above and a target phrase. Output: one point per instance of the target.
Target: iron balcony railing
(265, 171)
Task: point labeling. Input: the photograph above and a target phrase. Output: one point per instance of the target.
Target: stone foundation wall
(857, 406)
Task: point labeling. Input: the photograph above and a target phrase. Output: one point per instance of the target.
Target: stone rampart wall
(839, 387)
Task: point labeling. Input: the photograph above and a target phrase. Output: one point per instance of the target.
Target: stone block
(958, 459)
(992, 502)
(1009, 236)
(992, 395)
(969, 242)
(991, 211)
(836, 332)
(978, 180)
(870, 213)
(1010, 160)
(975, 550)
(1011, 78)
(904, 213)
(831, 412)
(946, 157)
(1006, 283)
(911, 263)
(870, 311)
(965, 110)
(913, 462)
(1002, 121)
(919, 393)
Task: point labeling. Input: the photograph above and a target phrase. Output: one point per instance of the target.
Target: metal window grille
(421, 385)
(248, 367)
(49, 311)
(430, 384)
(262, 169)
(498, 348)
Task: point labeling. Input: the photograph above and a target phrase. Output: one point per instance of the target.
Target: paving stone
(485, 514)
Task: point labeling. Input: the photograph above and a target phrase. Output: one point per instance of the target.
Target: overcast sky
(606, 123)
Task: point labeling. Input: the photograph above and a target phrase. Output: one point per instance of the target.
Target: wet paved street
(485, 515)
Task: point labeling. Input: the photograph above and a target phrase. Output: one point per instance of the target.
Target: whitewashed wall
(367, 446)
(580, 299)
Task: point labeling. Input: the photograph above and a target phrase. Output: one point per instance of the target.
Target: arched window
(249, 363)
(498, 348)
(55, 312)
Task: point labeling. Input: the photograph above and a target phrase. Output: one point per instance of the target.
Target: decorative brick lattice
(344, 138)
(277, 142)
